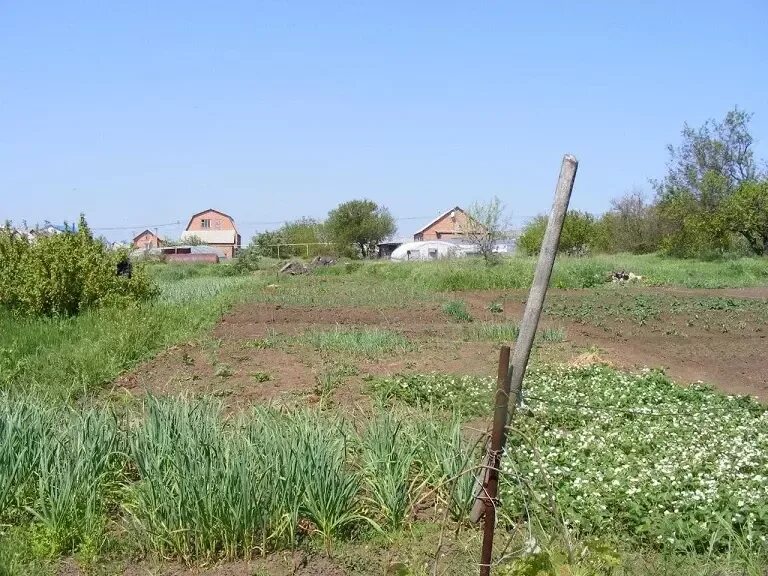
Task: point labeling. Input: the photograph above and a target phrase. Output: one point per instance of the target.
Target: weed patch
(506, 332)
(552, 335)
(457, 310)
(370, 342)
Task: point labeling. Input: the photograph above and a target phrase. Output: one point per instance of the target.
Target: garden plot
(619, 454)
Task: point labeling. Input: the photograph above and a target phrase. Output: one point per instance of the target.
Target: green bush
(248, 260)
(63, 274)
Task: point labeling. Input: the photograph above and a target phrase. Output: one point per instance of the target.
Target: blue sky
(140, 113)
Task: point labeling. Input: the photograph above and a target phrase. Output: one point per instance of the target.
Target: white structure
(434, 249)
(427, 250)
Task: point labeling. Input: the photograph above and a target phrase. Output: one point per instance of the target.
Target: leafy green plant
(203, 490)
(495, 307)
(467, 395)
(77, 471)
(457, 309)
(638, 455)
(223, 371)
(59, 470)
(261, 377)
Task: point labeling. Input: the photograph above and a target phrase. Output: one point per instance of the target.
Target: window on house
(205, 223)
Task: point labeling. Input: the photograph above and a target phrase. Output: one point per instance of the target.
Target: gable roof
(436, 220)
(209, 210)
(59, 227)
(147, 231)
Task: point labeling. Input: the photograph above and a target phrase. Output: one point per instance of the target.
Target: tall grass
(66, 357)
(570, 272)
(196, 288)
(174, 271)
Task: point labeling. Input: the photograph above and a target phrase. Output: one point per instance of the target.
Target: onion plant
(387, 457)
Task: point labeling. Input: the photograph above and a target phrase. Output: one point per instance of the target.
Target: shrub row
(63, 274)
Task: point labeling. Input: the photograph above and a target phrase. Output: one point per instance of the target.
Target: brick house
(449, 225)
(146, 240)
(214, 229)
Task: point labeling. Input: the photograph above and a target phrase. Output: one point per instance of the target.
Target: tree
(302, 231)
(264, 243)
(631, 225)
(704, 171)
(745, 212)
(580, 234)
(712, 161)
(485, 226)
(359, 223)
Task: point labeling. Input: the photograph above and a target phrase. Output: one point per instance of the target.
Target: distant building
(451, 224)
(147, 240)
(49, 229)
(387, 247)
(179, 254)
(214, 229)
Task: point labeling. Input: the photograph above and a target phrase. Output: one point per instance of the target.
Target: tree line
(351, 229)
(712, 202)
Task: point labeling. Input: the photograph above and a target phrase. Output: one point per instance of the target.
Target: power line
(146, 226)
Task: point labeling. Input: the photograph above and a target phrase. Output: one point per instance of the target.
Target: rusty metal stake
(491, 486)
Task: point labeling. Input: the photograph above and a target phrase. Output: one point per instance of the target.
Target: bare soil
(727, 348)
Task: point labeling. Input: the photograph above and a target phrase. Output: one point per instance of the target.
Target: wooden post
(491, 488)
(541, 276)
(535, 301)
